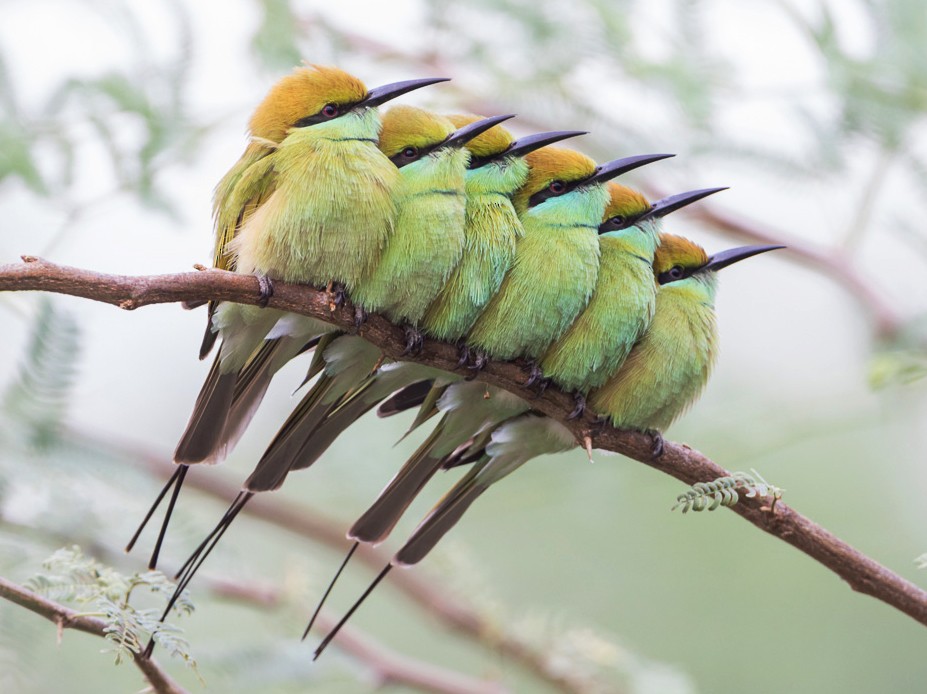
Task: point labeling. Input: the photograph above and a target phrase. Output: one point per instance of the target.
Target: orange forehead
(557, 163)
(407, 126)
(550, 164)
(676, 250)
(624, 201)
(303, 93)
(494, 141)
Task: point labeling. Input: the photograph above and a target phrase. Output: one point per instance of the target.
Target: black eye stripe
(326, 113)
(674, 274)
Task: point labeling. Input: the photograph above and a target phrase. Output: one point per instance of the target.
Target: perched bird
(666, 370)
(622, 302)
(491, 229)
(424, 248)
(310, 201)
(498, 169)
(599, 339)
(560, 207)
(591, 350)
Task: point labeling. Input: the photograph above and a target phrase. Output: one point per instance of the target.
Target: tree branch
(67, 618)
(860, 572)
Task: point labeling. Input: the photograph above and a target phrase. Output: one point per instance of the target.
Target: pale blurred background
(119, 117)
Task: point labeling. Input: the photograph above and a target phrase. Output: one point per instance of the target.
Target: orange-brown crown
(408, 126)
(624, 202)
(676, 250)
(302, 93)
(494, 141)
(550, 164)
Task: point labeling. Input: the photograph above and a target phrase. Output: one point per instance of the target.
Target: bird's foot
(414, 341)
(463, 354)
(336, 295)
(360, 317)
(265, 288)
(536, 378)
(580, 408)
(480, 360)
(656, 443)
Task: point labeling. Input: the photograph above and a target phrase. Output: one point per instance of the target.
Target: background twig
(67, 618)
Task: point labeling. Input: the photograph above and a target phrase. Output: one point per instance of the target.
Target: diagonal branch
(859, 571)
(67, 618)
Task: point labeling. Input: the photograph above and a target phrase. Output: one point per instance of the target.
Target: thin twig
(859, 571)
(387, 666)
(66, 618)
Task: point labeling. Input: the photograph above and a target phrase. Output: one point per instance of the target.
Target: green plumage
(618, 313)
(428, 239)
(331, 212)
(325, 213)
(669, 367)
(491, 230)
(551, 280)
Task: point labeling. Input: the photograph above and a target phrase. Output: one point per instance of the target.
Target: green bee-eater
(311, 200)
(666, 369)
(423, 250)
(560, 207)
(679, 348)
(622, 303)
(490, 231)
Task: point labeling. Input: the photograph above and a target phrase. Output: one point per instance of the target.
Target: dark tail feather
(405, 399)
(154, 506)
(203, 434)
(437, 524)
(382, 516)
(468, 452)
(310, 345)
(320, 344)
(156, 552)
(282, 452)
(334, 632)
(209, 338)
(328, 430)
(318, 608)
(428, 408)
(250, 388)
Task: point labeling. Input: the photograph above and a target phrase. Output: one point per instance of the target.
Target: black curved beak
(463, 135)
(616, 167)
(734, 255)
(380, 95)
(530, 143)
(671, 203)
(525, 145)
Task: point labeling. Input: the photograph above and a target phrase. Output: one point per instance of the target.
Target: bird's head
(625, 208)
(678, 258)
(316, 94)
(629, 210)
(411, 133)
(555, 171)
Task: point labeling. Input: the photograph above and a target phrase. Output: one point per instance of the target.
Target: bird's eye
(557, 187)
(409, 152)
(676, 272)
(617, 220)
(330, 110)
